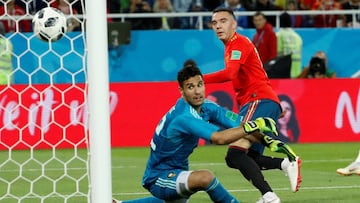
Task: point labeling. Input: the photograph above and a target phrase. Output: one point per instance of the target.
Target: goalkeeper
(167, 176)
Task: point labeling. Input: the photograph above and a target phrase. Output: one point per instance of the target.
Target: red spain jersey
(244, 68)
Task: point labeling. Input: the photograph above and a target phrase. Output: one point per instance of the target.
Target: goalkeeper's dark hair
(190, 62)
(222, 9)
(188, 71)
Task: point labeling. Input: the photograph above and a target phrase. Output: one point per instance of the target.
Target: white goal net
(43, 108)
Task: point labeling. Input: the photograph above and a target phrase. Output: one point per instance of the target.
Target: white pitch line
(306, 188)
(194, 164)
(223, 163)
(255, 190)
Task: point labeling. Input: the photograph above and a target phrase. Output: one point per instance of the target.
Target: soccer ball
(49, 24)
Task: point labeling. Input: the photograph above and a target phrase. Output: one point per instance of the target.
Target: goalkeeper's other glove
(263, 124)
(279, 146)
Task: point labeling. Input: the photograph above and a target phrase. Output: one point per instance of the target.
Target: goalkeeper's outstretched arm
(273, 144)
(254, 128)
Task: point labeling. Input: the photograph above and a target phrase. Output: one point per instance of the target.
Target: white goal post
(54, 112)
(100, 162)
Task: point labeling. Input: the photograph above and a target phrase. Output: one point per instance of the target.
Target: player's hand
(263, 124)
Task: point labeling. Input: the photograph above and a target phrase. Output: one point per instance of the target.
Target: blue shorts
(171, 185)
(260, 108)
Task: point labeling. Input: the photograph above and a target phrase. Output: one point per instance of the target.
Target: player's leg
(169, 186)
(290, 168)
(141, 200)
(267, 108)
(150, 200)
(237, 158)
(353, 168)
(163, 189)
(204, 180)
(177, 186)
(267, 162)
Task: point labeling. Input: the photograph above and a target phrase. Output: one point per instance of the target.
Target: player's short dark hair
(285, 20)
(189, 62)
(223, 9)
(188, 71)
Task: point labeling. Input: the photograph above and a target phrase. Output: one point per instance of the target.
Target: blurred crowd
(271, 45)
(282, 43)
(10, 8)
(171, 6)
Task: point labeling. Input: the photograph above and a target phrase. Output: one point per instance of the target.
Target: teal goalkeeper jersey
(178, 133)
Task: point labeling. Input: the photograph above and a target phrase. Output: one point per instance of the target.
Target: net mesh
(43, 110)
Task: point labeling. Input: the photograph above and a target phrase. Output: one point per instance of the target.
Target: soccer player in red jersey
(256, 98)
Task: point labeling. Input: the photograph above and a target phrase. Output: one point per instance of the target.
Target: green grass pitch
(319, 162)
(42, 177)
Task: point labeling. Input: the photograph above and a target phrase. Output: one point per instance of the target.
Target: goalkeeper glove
(262, 124)
(278, 146)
